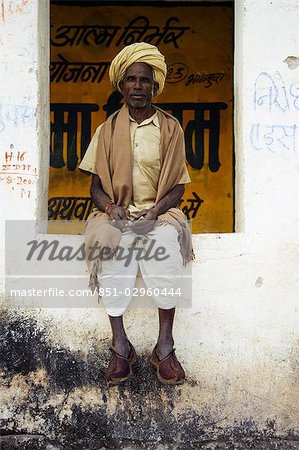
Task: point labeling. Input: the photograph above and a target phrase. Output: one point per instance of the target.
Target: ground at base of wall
(36, 442)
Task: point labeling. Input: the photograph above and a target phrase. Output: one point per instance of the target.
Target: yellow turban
(139, 52)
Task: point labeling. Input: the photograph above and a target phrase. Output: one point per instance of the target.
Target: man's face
(138, 86)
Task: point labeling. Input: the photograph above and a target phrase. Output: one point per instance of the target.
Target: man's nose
(137, 84)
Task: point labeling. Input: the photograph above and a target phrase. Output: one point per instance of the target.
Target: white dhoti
(159, 259)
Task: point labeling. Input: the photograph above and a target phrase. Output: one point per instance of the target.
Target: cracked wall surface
(239, 342)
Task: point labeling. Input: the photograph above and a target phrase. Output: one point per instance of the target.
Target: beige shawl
(114, 168)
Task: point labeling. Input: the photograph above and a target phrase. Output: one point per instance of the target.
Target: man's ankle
(122, 347)
(163, 348)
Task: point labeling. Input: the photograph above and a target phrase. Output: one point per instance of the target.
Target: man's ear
(155, 88)
(120, 85)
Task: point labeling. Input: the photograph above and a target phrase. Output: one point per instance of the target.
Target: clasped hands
(143, 223)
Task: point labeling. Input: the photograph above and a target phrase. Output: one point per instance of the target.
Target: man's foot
(120, 367)
(169, 369)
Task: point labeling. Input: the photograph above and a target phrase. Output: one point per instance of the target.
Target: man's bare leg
(120, 343)
(170, 368)
(165, 339)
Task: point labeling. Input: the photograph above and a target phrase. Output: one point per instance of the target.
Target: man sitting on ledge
(137, 161)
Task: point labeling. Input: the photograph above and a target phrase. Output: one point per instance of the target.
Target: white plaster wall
(240, 340)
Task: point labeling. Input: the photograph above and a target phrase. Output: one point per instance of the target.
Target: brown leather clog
(177, 369)
(114, 377)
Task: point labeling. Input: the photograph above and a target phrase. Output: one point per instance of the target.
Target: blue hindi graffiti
(273, 97)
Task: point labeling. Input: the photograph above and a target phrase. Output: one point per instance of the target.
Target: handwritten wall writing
(177, 72)
(207, 79)
(190, 206)
(9, 8)
(15, 115)
(12, 155)
(194, 130)
(14, 163)
(138, 27)
(67, 71)
(101, 35)
(59, 127)
(197, 44)
(69, 208)
(17, 173)
(138, 30)
(114, 102)
(294, 91)
(272, 94)
(274, 138)
(18, 180)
